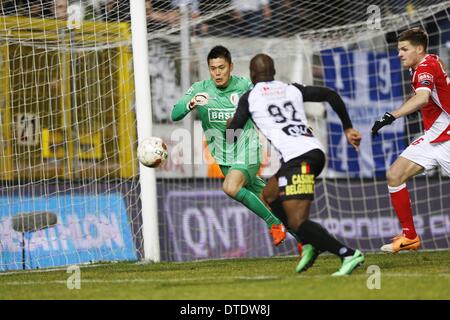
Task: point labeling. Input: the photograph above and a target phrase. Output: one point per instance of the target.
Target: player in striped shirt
(277, 110)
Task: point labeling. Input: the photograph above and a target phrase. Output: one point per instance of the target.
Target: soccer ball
(152, 152)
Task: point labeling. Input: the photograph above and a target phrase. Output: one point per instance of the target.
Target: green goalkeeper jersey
(221, 105)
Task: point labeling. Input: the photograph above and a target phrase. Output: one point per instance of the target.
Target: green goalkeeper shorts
(253, 182)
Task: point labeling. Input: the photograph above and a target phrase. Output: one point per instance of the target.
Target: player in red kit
(432, 97)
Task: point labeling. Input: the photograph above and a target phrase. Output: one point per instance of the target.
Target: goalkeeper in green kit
(215, 100)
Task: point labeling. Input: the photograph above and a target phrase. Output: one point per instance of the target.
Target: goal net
(70, 188)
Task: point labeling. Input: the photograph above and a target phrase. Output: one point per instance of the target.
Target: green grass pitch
(411, 275)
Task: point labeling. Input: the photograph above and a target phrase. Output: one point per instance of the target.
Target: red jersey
(430, 75)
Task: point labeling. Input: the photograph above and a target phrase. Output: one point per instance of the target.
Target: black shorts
(296, 177)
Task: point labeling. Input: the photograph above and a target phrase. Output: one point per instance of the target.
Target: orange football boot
(278, 233)
(400, 243)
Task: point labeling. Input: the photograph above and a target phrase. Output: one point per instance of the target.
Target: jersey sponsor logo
(219, 115)
(267, 91)
(301, 184)
(234, 98)
(425, 78)
(297, 130)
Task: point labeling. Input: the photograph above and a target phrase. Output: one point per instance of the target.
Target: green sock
(251, 201)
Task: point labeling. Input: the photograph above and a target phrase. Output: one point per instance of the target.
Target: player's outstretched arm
(415, 103)
(324, 94)
(179, 110)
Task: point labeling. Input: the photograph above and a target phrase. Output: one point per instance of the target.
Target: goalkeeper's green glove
(387, 119)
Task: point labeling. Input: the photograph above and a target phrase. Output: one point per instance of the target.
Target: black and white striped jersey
(277, 110)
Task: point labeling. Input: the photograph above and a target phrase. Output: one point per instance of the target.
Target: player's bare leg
(234, 186)
(400, 172)
(233, 182)
(297, 212)
(270, 196)
(270, 192)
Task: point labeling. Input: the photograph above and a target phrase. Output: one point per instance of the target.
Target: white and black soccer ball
(152, 152)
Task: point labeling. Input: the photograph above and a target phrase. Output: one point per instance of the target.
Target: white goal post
(143, 103)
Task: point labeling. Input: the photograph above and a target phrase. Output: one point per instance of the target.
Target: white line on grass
(255, 278)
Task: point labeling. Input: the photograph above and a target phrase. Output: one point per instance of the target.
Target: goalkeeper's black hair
(219, 52)
(416, 36)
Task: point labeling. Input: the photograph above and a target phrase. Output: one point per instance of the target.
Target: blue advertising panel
(89, 228)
